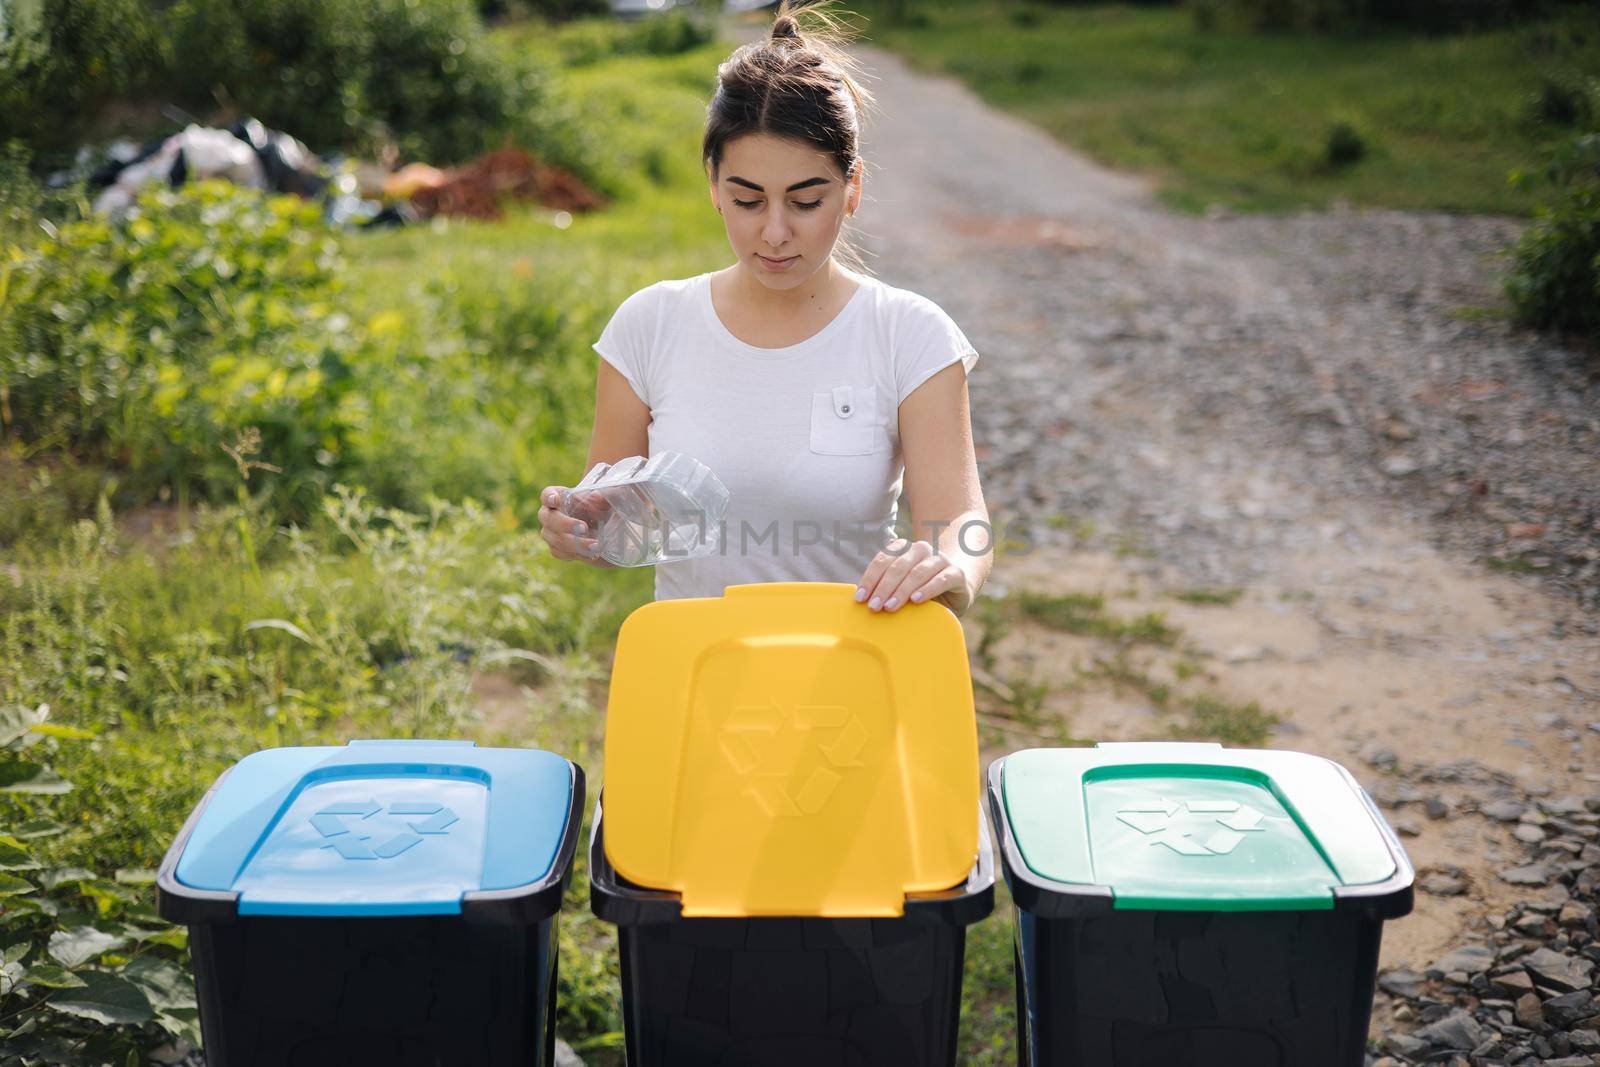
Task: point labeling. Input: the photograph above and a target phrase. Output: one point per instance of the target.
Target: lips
(777, 264)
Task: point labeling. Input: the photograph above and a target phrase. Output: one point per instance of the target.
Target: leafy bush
(27, 209)
(433, 82)
(60, 65)
(295, 64)
(335, 73)
(1448, 15)
(670, 34)
(1442, 15)
(1345, 145)
(1267, 14)
(82, 954)
(44, 495)
(661, 35)
(348, 72)
(472, 389)
(1555, 283)
(1566, 99)
(203, 323)
(552, 9)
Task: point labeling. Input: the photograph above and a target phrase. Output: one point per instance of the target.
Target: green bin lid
(1196, 827)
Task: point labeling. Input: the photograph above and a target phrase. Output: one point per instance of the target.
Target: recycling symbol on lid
(1221, 825)
(760, 741)
(347, 840)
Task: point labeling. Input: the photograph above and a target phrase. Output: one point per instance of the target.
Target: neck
(781, 302)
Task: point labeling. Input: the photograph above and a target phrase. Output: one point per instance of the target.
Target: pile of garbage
(480, 188)
(354, 193)
(246, 153)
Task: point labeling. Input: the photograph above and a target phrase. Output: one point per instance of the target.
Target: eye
(746, 203)
(807, 205)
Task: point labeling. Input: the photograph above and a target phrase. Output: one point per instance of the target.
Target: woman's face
(783, 202)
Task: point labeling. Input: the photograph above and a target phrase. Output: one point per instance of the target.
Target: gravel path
(1211, 384)
(1314, 410)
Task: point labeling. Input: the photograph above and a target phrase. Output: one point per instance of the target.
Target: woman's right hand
(570, 537)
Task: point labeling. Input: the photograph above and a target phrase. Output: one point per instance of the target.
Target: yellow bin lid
(781, 750)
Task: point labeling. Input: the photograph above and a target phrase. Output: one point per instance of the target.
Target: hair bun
(785, 28)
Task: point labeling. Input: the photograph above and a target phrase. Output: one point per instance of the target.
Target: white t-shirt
(806, 438)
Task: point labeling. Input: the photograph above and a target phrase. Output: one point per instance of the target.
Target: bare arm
(621, 419)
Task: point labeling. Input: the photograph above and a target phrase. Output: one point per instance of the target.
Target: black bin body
(789, 991)
(1203, 989)
(412, 991)
(451, 979)
(1103, 985)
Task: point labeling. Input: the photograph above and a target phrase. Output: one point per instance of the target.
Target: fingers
(897, 573)
(904, 574)
(928, 578)
(590, 506)
(569, 537)
(951, 577)
(867, 586)
(872, 588)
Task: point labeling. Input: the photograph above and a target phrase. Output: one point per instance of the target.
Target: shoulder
(912, 323)
(906, 312)
(920, 338)
(653, 297)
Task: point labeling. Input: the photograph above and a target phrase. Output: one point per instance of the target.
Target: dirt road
(1286, 434)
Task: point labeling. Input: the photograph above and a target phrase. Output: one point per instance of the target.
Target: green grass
(1517, 563)
(1209, 597)
(377, 622)
(1191, 715)
(1245, 119)
(988, 990)
(1085, 614)
(1211, 718)
(1124, 674)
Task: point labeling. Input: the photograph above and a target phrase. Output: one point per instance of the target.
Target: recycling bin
(1187, 903)
(387, 902)
(788, 841)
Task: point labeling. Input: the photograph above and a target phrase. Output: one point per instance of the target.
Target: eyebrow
(797, 185)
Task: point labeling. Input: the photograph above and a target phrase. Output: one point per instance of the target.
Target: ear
(853, 200)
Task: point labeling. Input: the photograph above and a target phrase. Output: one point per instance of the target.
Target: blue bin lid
(378, 827)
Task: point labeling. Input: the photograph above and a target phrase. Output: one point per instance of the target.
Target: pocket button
(844, 421)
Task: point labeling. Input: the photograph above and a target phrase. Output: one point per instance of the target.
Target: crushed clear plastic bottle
(646, 511)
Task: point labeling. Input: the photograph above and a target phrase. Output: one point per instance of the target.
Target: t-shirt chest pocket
(845, 421)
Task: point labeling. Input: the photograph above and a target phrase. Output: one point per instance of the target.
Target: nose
(775, 229)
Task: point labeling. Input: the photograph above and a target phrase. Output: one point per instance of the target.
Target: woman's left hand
(904, 574)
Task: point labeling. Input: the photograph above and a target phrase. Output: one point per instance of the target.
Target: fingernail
(916, 598)
(861, 593)
(875, 603)
(580, 528)
(894, 602)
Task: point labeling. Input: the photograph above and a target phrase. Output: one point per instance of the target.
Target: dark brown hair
(796, 83)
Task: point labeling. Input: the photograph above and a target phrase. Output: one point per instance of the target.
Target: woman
(813, 391)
